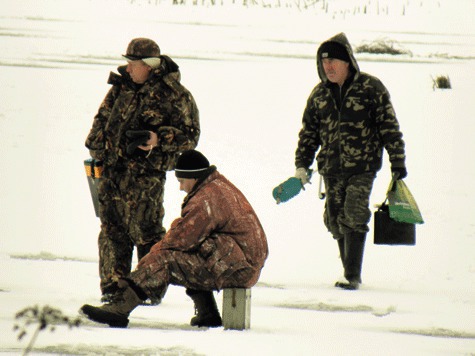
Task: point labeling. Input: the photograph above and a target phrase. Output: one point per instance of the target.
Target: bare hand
(151, 143)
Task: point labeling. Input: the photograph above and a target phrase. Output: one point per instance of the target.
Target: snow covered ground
(250, 70)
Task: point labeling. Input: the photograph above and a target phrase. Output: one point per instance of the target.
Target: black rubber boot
(353, 261)
(116, 314)
(341, 247)
(206, 310)
(350, 285)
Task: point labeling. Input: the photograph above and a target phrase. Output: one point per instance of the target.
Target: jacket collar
(211, 175)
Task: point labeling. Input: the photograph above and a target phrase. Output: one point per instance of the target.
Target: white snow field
(250, 70)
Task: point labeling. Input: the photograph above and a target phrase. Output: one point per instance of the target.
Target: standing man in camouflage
(349, 118)
(146, 119)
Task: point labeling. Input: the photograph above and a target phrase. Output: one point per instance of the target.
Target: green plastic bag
(402, 205)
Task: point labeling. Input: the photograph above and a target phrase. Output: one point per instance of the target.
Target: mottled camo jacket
(218, 223)
(161, 105)
(351, 139)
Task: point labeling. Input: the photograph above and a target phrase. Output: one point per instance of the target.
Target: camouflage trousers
(131, 212)
(157, 270)
(347, 203)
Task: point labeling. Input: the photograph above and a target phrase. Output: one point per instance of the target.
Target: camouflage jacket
(161, 105)
(351, 137)
(218, 223)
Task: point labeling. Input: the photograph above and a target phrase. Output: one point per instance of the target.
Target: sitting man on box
(218, 242)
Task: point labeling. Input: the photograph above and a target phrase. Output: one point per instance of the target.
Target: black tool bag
(390, 232)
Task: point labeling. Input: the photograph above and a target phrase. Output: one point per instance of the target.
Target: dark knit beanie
(334, 50)
(191, 164)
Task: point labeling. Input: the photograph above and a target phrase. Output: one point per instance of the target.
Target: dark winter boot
(350, 285)
(110, 293)
(206, 310)
(341, 247)
(353, 261)
(116, 313)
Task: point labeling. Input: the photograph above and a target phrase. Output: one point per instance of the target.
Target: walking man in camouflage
(146, 119)
(217, 242)
(349, 118)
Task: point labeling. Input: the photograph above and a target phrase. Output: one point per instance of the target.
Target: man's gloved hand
(401, 171)
(139, 137)
(301, 173)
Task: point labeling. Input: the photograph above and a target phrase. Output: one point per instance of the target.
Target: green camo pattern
(161, 105)
(347, 201)
(350, 139)
(131, 189)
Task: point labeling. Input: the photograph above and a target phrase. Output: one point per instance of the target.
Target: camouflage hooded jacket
(161, 105)
(351, 138)
(218, 223)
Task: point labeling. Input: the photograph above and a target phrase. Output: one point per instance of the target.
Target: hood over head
(337, 45)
